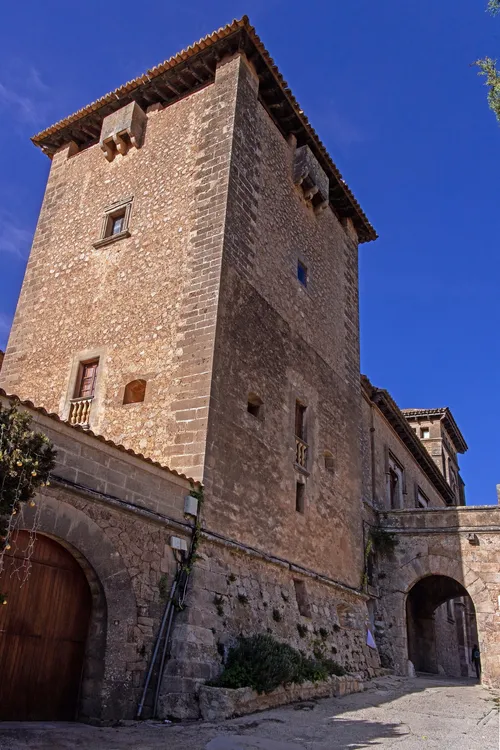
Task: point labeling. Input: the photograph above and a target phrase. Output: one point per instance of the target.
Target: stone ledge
(217, 704)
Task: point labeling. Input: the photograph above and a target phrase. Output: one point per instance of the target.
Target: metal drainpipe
(182, 581)
(168, 608)
(372, 453)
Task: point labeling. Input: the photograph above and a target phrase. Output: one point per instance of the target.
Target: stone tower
(443, 440)
(192, 293)
(196, 252)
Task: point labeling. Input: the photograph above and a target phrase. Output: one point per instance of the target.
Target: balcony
(301, 449)
(79, 411)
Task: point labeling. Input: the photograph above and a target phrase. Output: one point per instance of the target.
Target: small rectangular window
(395, 483)
(300, 491)
(422, 500)
(302, 273)
(425, 433)
(87, 379)
(302, 598)
(300, 420)
(115, 223)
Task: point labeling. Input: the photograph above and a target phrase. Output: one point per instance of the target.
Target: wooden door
(43, 629)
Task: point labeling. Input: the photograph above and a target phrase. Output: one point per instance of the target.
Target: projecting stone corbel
(122, 130)
(311, 178)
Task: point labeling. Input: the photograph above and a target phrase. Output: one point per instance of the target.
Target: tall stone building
(192, 296)
(192, 293)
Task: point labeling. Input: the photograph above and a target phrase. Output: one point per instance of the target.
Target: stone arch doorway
(441, 626)
(48, 631)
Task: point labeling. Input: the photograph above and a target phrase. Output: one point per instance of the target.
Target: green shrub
(263, 663)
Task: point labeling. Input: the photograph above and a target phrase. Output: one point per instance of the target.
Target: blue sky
(390, 89)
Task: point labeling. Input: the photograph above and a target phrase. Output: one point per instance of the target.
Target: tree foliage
(488, 68)
(26, 460)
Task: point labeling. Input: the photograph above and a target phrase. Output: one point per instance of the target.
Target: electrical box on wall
(177, 543)
(191, 505)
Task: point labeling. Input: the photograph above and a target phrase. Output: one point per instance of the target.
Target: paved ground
(394, 713)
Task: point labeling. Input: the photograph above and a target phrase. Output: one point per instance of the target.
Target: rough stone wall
(232, 594)
(116, 514)
(284, 342)
(447, 646)
(147, 303)
(385, 439)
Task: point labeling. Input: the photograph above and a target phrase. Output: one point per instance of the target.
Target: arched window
(135, 392)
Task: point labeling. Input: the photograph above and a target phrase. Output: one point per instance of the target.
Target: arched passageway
(44, 631)
(441, 627)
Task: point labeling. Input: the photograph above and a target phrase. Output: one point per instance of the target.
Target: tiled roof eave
(51, 415)
(193, 68)
(396, 419)
(449, 421)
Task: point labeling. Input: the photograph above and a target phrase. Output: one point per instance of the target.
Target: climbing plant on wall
(26, 459)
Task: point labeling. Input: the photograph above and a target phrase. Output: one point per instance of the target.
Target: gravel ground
(394, 712)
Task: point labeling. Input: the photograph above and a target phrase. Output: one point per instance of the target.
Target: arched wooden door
(43, 629)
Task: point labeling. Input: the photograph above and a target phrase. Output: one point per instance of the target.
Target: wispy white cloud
(343, 131)
(338, 127)
(15, 240)
(5, 323)
(23, 94)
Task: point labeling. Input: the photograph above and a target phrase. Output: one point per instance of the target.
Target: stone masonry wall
(232, 594)
(284, 342)
(447, 648)
(385, 439)
(115, 513)
(146, 304)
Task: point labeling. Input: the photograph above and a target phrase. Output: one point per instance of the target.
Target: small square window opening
(425, 433)
(254, 405)
(302, 273)
(300, 491)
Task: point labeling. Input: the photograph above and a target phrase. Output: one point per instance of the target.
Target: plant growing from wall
(380, 542)
(26, 459)
(384, 542)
